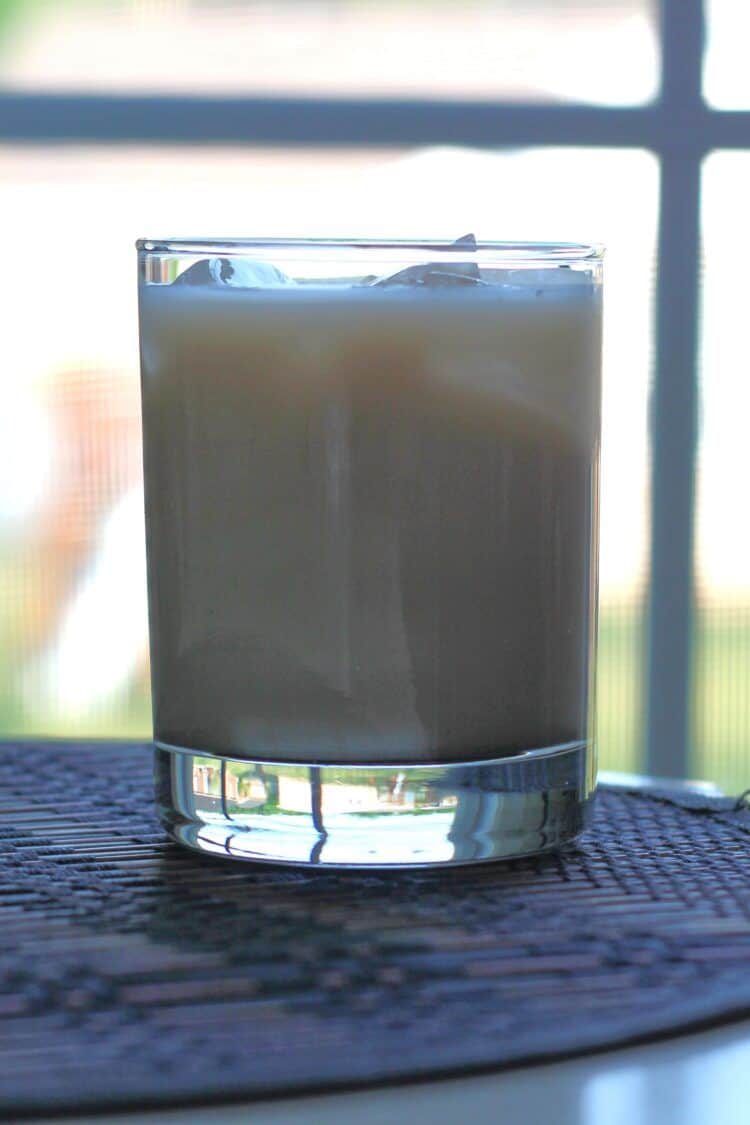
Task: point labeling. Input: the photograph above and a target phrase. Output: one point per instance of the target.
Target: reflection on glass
(421, 814)
(478, 48)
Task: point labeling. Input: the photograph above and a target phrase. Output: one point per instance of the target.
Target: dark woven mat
(135, 974)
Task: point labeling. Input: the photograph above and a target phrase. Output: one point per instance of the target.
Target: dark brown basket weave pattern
(135, 974)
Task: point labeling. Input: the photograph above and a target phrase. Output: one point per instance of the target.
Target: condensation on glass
(371, 478)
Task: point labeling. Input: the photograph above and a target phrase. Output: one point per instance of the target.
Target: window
(551, 118)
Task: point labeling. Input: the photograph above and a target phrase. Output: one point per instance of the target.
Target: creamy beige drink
(371, 516)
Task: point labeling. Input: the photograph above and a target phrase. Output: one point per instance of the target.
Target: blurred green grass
(619, 687)
(721, 696)
(720, 719)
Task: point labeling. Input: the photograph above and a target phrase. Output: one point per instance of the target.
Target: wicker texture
(134, 973)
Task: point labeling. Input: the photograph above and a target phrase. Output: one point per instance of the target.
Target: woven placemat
(136, 974)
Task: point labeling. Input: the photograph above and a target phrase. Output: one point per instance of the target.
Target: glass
(721, 674)
(371, 479)
(73, 620)
(477, 49)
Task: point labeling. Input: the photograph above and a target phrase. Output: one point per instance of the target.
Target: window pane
(72, 605)
(726, 76)
(721, 729)
(600, 51)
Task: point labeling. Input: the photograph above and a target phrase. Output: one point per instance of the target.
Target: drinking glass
(371, 506)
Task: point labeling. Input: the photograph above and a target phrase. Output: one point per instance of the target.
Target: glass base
(396, 815)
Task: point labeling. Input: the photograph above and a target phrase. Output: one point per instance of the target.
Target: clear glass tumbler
(371, 504)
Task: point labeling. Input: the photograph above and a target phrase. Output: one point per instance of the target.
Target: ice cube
(439, 274)
(236, 273)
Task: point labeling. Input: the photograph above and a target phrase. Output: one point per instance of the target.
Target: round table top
(688, 1080)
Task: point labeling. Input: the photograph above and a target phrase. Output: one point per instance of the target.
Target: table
(690, 1080)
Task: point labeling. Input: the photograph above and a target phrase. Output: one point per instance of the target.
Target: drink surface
(371, 517)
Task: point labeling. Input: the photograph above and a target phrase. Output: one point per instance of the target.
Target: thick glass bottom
(368, 815)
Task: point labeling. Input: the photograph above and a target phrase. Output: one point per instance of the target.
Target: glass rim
(507, 251)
